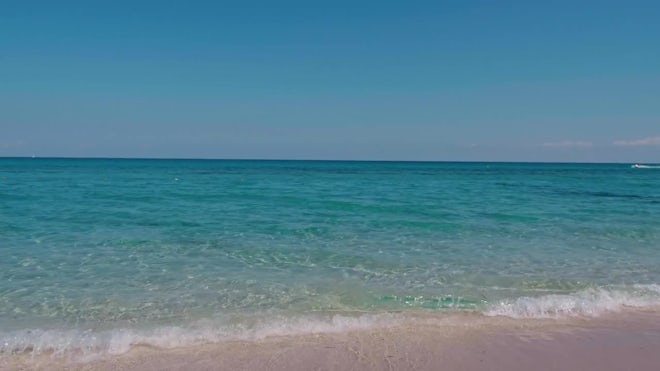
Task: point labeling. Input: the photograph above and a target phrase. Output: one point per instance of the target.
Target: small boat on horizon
(642, 166)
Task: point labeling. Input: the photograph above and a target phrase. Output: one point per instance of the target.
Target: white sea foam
(85, 345)
(587, 303)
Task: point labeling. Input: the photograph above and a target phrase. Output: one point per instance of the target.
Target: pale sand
(626, 341)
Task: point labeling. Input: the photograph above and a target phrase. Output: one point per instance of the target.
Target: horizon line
(303, 160)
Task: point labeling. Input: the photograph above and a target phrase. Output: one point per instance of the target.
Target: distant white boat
(640, 166)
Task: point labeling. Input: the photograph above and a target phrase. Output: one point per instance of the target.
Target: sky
(575, 81)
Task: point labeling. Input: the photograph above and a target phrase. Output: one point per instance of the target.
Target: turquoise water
(97, 252)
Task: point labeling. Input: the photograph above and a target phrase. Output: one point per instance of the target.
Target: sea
(98, 256)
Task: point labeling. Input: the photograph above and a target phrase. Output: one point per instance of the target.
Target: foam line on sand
(622, 341)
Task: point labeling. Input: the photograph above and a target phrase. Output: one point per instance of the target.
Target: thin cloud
(568, 144)
(649, 141)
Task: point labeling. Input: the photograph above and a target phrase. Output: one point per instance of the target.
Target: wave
(88, 345)
(586, 303)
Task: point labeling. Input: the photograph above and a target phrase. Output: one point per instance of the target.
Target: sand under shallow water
(622, 341)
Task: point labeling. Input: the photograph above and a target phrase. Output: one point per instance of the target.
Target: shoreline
(616, 341)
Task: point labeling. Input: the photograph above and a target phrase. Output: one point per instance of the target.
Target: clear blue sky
(404, 80)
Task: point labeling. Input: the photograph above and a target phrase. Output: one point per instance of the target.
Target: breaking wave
(585, 303)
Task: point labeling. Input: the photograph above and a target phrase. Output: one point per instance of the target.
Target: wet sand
(625, 341)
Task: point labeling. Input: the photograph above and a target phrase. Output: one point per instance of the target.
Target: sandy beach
(623, 341)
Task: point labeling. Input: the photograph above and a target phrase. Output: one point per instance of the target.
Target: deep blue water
(93, 247)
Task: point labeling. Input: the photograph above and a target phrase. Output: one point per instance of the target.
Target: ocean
(100, 255)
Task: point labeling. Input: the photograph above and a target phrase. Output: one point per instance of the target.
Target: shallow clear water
(96, 246)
